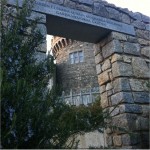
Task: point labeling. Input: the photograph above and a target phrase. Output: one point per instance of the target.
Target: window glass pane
(76, 58)
(81, 56)
(71, 58)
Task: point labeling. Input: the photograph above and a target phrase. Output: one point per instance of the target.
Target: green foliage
(32, 116)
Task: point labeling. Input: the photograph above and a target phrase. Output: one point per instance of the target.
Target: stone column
(123, 71)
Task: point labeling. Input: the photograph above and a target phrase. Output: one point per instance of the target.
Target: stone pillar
(123, 69)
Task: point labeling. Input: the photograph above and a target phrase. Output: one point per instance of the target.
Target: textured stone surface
(139, 24)
(114, 111)
(87, 2)
(131, 48)
(112, 47)
(117, 140)
(104, 100)
(121, 97)
(130, 139)
(103, 77)
(114, 14)
(109, 140)
(126, 19)
(116, 57)
(109, 86)
(119, 36)
(145, 110)
(58, 1)
(130, 108)
(143, 41)
(121, 69)
(102, 88)
(140, 68)
(146, 51)
(100, 10)
(127, 59)
(139, 85)
(69, 3)
(142, 123)
(84, 7)
(141, 97)
(98, 69)
(106, 65)
(98, 58)
(124, 121)
(121, 84)
(143, 34)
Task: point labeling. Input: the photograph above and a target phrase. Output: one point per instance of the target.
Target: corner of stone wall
(123, 68)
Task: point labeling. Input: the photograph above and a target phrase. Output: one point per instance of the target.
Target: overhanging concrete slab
(75, 24)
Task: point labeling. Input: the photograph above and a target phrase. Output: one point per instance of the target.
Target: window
(76, 57)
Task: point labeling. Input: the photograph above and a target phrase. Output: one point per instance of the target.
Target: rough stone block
(131, 48)
(146, 51)
(145, 110)
(100, 10)
(140, 68)
(132, 39)
(108, 86)
(121, 97)
(130, 108)
(116, 57)
(87, 2)
(117, 140)
(104, 100)
(143, 41)
(121, 84)
(111, 47)
(119, 36)
(97, 49)
(69, 3)
(142, 123)
(114, 111)
(84, 7)
(128, 140)
(58, 1)
(127, 59)
(109, 140)
(125, 18)
(98, 58)
(141, 97)
(102, 88)
(122, 69)
(114, 14)
(98, 69)
(139, 24)
(109, 93)
(124, 122)
(143, 34)
(136, 85)
(148, 27)
(103, 77)
(106, 65)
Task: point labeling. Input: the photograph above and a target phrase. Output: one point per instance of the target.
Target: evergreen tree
(31, 115)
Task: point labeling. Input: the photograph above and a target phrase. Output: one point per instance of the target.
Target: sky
(142, 6)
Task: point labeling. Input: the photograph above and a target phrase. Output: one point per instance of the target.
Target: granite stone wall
(123, 68)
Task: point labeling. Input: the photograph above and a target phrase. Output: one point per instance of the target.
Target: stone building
(76, 69)
(121, 41)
